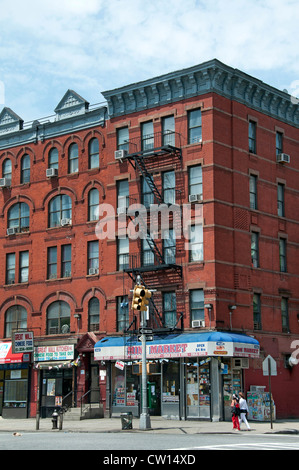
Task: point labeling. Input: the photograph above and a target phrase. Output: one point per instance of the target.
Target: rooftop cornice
(211, 76)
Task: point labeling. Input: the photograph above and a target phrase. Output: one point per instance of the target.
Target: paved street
(176, 437)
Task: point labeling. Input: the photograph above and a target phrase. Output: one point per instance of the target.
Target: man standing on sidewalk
(243, 411)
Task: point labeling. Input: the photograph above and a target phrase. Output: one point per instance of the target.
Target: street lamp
(231, 308)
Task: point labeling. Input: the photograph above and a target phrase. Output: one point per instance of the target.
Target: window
(66, 260)
(60, 208)
(279, 143)
(197, 311)
(283, 255)
(169, 187)
(122, 253)
(52, 263)
(25, 169)
(195, 243)
(58, 318)
(169, 309)
(73, 158)
(285, 315)
(15, 319)
(257, 319)
(24, 266)
(168, 128)
(93, 314)
(195, 180)
(10, 268)
(194, 126)
(147, 135)
(253, 191)
(280, 200)
(18, 217)
(148, 257)
(93, 154)
(7, 170)
(147, 194)
(122, 195)
(255, 249)
(122, 313)
(169, 245)
(123, 138)
(93, 257)
(93, 204)
(252, 136)
(53, 158)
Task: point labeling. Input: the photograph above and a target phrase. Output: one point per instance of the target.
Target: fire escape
(157, 260)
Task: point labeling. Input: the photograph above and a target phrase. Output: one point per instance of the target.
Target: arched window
(93, 314)
(25, 169)
(60, 211)
(93, 204)
(15, 318)
(18, 217)
(7, 171)
(73, 158)
(53, 158)
(58, 318)
(93, 153)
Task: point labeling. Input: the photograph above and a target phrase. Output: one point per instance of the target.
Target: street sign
(269, 363)
(146, 331)
(147, 338)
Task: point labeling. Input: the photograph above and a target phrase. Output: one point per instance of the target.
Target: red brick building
(216, 146)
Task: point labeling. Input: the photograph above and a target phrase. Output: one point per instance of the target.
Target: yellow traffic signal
(141, 297)
(145, 300)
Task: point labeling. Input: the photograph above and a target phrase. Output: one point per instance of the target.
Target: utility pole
(140, 301)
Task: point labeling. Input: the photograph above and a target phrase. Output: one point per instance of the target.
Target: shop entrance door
(154, 394)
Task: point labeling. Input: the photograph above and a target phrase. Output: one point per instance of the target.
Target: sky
(50, 46)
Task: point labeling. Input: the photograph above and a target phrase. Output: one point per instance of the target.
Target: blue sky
(90, 46)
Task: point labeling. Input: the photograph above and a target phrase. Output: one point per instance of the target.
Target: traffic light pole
(145, 421)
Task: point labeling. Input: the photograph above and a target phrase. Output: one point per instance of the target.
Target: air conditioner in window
(50, 172)
(12, 230)
(195, 197)
(283, 158)
(120, 154)
(92, 271)
(240, 363)
(65, 222)
(198, 323)
(4, 182)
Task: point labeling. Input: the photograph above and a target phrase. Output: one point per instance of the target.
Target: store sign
(162, 350)
(22, 342)
(54, 353)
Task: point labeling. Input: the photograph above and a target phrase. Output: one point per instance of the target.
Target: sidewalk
(158, 425)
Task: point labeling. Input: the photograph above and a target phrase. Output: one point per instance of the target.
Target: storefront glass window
(170, 382)
(198, 388)
(125, 386)
(15, 390)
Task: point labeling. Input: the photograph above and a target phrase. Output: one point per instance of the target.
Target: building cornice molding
(210, 77)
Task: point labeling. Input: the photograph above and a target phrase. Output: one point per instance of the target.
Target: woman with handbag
(235, 409)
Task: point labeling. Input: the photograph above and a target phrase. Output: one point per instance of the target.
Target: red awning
(6, 355)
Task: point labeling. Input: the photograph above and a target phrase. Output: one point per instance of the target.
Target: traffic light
(141, 297)
(145, 300)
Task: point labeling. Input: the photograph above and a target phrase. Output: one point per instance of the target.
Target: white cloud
(94, 45)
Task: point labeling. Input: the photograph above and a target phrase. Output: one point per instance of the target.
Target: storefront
(57, 376)
(190, 376)
(14, 382)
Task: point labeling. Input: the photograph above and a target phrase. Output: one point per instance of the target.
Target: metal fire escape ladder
(139, 163)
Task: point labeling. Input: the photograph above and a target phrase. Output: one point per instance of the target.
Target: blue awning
(209, 343)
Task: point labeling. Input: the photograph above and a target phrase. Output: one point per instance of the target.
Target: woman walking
(243, 410)
(235, 409)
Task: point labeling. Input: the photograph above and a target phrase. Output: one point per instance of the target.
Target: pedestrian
(243, 410)
(235, 409)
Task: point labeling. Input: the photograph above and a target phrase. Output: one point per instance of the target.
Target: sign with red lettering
(22, 342)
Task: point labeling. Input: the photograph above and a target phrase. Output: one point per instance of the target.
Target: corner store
(190, 375)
